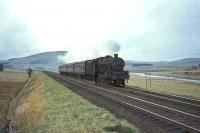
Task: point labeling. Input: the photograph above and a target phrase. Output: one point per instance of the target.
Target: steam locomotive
(105, 70)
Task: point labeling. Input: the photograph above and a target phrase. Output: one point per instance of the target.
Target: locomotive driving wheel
(107, 82)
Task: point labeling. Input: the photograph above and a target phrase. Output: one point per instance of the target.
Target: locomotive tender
(106, 70)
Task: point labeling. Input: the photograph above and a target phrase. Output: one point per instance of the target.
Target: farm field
(187, 74)
(13, 76)
(176, 87)
(10, 83)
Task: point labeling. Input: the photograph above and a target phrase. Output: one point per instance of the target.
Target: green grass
(66, 112)
(176, 87)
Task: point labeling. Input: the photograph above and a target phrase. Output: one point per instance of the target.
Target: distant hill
(183, 63)
(187, 61)
(41, 61)
(50, 61)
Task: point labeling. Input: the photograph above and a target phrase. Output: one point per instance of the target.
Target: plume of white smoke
(110, 48)
(76, 55)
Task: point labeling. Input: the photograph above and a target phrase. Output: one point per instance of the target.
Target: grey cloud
(175, 32)
(15, 39)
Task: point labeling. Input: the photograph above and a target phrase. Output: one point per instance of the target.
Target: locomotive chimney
(116, 55)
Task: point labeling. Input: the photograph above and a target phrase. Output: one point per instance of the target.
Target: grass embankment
(28, 106)
(64, 111)
(176, 87)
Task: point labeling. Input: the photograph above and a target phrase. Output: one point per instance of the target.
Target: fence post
(146, 80)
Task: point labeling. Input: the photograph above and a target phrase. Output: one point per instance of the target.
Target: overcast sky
(146, 30)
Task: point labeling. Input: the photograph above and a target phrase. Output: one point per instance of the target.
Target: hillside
(139, 66)
(50, 61)
(186, 62)
(41, 61)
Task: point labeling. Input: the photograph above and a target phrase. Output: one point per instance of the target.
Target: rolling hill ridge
(51, 61)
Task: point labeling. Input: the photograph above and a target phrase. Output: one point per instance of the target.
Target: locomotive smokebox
(116, 55)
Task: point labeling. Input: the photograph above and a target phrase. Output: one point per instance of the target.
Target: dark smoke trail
(112, 47)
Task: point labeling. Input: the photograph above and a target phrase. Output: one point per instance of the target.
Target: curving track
(168, 113)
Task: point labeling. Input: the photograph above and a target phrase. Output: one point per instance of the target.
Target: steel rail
(182, 99)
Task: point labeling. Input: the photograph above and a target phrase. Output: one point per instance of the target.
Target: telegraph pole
(150, 80)
(146, 80)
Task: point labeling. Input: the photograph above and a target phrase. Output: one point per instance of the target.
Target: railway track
(171, 97)
(156, 108)
(170, 101)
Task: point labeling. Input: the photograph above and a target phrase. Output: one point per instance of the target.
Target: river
(165, 77)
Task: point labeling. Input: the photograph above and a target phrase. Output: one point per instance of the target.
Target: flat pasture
(176, 87)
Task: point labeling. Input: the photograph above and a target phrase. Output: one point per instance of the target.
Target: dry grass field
(195, 74)
(10, 83)
(176, 87)
(12, 76)
(188, 74)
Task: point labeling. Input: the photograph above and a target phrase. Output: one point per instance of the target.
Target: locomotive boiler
(105, 70)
